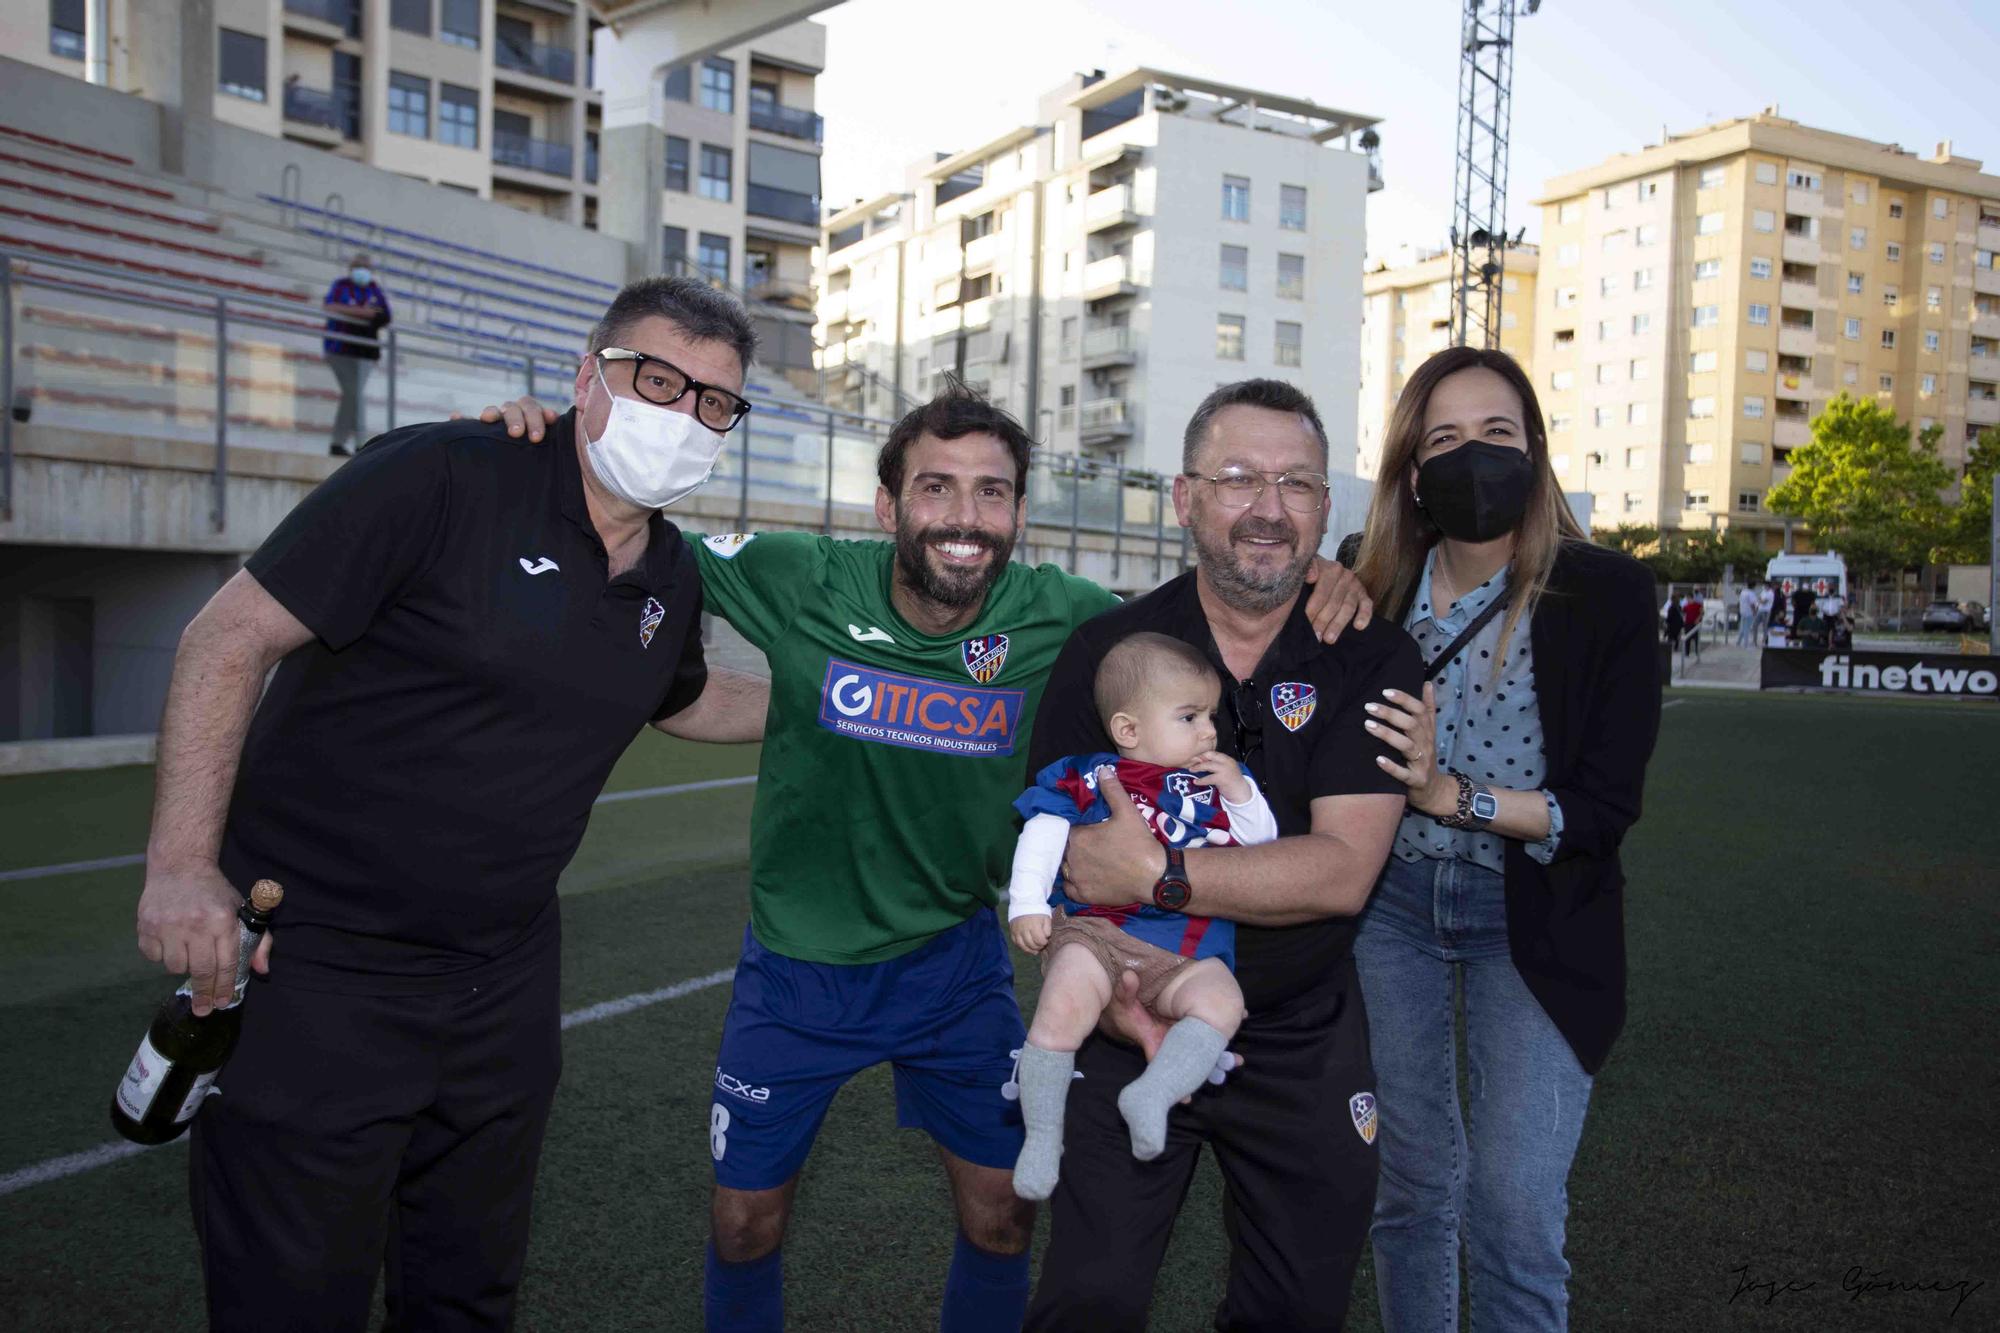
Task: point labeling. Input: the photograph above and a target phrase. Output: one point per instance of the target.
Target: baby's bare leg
(1075, 989)
(1207, 1004)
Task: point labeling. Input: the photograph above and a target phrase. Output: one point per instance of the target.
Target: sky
(907, 78)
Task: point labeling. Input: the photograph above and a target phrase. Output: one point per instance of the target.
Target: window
(1707, 268)
(1927, 385)
(1635, 415)
(1639, 368)
(714, 256)
(1642, 278)
(784, 184)
(1708, 224)
(1753, 407)
(1641, 324)
(1606, 330)
(1635, 457)
(1235, 198)
(1889, 297)
(1930, 340)
(1229, 337)
(1749, 502)
(1751, 453)
(1850, 327)
(1802, 180)
(1711, 178)
(409, 105)
(458, 23)
(1613, 242)
(1604, 416)
(1069, 337)
(1634, 502)
(1983, 258)
(1888, 340)
(1708, 316)
(1763, 219)
(1939, 208)
(1292, 277)
(1895, 208)
(1936, 255)
(1885, 384)
(1854, 284)
(1565, 297)
(66, 29)
(458, 115)
(673, 248)
(1760, 268)
(1292, 207)
(1756, 360)
(240, 72)
(1767, 173)
(678, 86)
(1760, 314)
(1894, 252)
(1568, 255)
(1701, 363)
(1607, 286)
(677, 163)
(1235, 268)
(411, 15)
(718, 85)
(1609, 199)
(1857, 238)
(1646, 234)
(1850, 372)
(1701, 453)
(1607, 373)
(717, 168)
(1560, 380)
(1933, 298)
(1860, 195)
(1700, 409)
(1291, 344)
(1695, 500)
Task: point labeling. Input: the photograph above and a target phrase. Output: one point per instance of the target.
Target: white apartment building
(1098, 272)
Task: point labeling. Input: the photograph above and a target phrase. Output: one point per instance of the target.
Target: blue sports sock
(750, 1297)
(985, 1292)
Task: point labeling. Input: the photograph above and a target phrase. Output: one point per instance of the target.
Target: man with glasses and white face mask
(467, 632)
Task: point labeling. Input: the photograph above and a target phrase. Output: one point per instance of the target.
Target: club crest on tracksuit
(1361, 1106)
(984, 656)
(1293, 702)
(650, 617)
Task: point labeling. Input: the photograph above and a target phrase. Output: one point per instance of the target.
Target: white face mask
(650, 456)
(362, 276)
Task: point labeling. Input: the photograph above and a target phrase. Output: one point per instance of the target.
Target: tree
(1866, 490)
(1634, 539)
(1700, 557)
(1969, 538)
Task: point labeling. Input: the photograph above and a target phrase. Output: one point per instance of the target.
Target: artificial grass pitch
(1796, 1132)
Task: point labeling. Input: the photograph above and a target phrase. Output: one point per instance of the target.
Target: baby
(1157, 698)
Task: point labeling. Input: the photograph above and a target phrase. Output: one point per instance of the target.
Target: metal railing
(767, 201)
(543, 155)
(538, 58)
(340, 13)
(790, 121)
(311, 106)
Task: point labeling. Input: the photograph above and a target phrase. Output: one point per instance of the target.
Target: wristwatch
(1477, 805)
(1172, 891)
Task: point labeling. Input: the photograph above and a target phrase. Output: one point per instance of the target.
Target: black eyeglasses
(1239, 488)
(1246, 714)
(664, 383)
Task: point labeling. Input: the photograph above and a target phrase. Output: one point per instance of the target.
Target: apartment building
(1701, 300)
(1406, 316)
(1099, 271)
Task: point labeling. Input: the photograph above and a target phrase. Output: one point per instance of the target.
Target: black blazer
(1597, 683)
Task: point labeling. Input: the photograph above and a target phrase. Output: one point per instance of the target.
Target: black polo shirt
(1300, 720)
(419, 775)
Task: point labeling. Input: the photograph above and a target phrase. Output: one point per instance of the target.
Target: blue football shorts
(944, 1015)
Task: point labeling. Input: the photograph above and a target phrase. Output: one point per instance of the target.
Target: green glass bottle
(181, 1053)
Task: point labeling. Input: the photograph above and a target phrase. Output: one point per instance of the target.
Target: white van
(1823, 574)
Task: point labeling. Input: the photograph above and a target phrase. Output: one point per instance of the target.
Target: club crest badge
(984, 656)
(1362, 1107)
(650, 617)
(1293, 703)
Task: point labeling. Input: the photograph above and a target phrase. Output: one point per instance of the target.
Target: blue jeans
(1496, 1178)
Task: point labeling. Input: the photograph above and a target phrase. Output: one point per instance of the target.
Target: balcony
(1794, 388)
(786, 292)
(789, 121)
(540, 155)
(554, 63)
(1804, 203)
(1987, 237)
(981, 251)
(1797, 340)
(1984, 367)
(1111, 277)
(321, 20)
(1109, 347)
(1800, 249)
(833, 306)
(1986, 324)
(1803, 295)
(312, 106)
(766, 201)
(1986, 281)
(1982, 411)
(1105, 419)
(1789, 432)
(1110, 208)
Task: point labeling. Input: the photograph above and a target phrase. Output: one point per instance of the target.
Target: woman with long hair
(1524, 761)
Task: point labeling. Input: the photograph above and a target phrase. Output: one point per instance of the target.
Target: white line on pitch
(1671, 703)
(104, 1154)
(139, 858)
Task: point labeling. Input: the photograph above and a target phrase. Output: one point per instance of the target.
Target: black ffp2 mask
(1478, 491)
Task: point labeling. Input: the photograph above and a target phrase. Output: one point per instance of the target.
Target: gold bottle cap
(265, 894)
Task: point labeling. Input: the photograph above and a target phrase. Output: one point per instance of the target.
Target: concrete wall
(54, 103)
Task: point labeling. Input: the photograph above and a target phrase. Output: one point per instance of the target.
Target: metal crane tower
(1479, 178)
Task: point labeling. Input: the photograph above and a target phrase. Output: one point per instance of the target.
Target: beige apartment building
(1406, 316)
(1701, 300)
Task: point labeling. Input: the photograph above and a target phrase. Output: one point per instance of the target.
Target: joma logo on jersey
(890, 708)
(984, 656)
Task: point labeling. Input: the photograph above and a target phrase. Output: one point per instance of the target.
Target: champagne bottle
(181, 1053)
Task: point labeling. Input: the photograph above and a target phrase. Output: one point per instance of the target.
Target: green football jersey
(892, 758)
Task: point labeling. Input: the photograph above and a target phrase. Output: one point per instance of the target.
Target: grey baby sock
(1185, 1058)
(1044, 1077)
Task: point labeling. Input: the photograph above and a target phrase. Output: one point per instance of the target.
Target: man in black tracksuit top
(1294, 1129)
